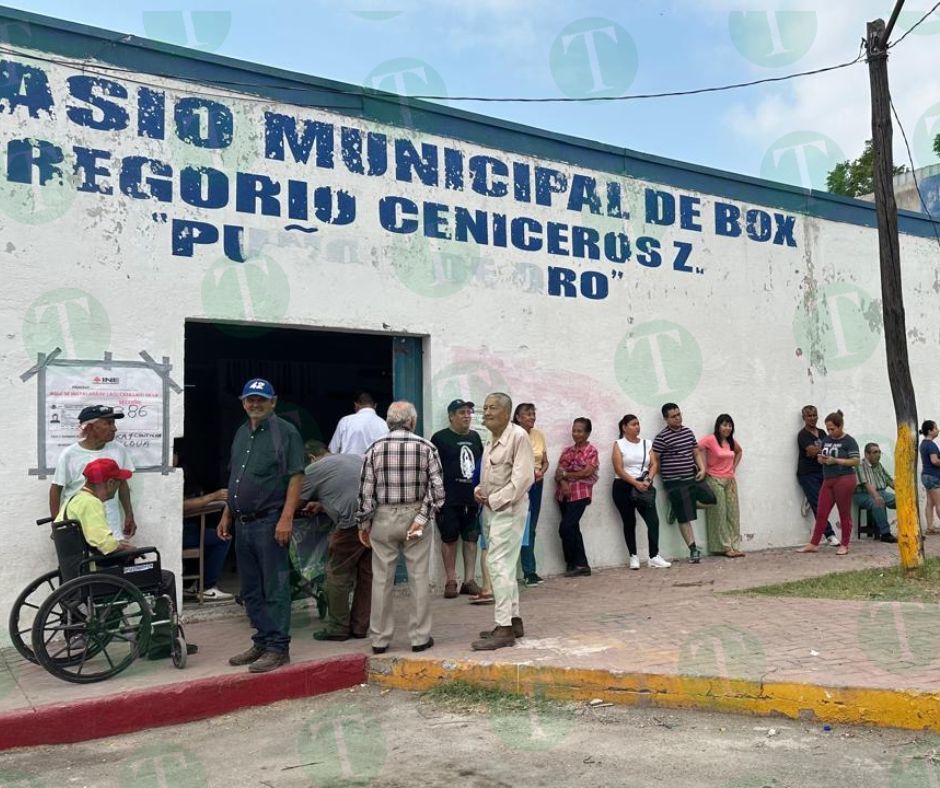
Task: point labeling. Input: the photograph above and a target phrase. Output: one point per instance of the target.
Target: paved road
(399, 740)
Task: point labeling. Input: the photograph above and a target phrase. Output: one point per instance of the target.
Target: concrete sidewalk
(661, 637)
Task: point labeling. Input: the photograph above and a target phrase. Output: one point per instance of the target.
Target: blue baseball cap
(258, 387)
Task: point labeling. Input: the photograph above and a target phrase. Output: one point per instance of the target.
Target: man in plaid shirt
(400, 490)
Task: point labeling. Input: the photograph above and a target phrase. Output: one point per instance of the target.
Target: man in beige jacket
(508, 470)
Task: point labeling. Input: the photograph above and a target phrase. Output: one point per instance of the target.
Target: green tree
(936, 144)
(856, 178)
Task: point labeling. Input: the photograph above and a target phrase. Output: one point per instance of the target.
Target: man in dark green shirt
(267, 466)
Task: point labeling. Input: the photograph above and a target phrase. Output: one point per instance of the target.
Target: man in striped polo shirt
(682, 468)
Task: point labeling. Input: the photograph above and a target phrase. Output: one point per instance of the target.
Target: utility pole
(910, 540)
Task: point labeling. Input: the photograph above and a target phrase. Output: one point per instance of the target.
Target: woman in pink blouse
(722, 455)
(574, 483)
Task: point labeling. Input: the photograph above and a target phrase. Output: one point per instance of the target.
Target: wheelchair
(92, 617)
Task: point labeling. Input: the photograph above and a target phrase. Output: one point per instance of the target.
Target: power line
(105, 70)
(910, 158)
(913, 27)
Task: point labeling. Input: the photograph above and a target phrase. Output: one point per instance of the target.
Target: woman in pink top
(722, 455)
(574, 484)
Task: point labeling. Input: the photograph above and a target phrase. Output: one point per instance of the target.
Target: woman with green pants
(722, 455)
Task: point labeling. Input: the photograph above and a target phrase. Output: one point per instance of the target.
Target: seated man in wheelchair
(102, 480)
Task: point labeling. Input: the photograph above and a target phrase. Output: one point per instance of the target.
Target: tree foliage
(857, 178)
(936, 144)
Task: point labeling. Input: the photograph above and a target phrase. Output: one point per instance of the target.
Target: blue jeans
(528, 551)
(215, 550)
(264, 568)
(879, 513)
(811, 484)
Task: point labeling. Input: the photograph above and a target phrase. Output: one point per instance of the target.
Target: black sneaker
(533, 580)
(695, 555)
(889, 538)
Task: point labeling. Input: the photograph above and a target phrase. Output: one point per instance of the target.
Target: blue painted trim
(72, 40)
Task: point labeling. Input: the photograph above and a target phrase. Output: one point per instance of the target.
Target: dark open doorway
(315, 373)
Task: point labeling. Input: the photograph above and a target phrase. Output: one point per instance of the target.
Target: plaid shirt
(875, 474)
(400, 468)
(576, 458)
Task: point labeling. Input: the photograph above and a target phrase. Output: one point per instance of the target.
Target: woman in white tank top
(633, 490)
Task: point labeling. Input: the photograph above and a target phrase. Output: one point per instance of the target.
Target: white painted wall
(488, 333)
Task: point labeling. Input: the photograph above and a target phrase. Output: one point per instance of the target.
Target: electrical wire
(910, 158)
(913, 27)
(105, 70)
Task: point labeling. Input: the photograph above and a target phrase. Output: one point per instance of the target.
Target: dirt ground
(367, 736)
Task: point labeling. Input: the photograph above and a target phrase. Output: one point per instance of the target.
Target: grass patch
(465, 697)
(890, 584)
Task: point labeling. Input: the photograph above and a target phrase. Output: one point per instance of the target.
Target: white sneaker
(658, 562)
(634, 562)
(216, 595)
(833, 540)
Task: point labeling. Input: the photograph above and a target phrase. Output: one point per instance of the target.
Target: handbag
(645, 497)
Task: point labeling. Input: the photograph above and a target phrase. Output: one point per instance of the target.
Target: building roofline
(78, 41)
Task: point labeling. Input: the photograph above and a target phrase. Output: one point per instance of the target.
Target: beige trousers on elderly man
(389, 527)
(504, 531)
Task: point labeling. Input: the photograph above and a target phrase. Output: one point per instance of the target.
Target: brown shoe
(500, 637)
(471, 587)
(517, 629)
(247, 657)
(270, 660)
(450, 590)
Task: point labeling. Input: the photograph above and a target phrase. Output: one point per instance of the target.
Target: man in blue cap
(267, 467)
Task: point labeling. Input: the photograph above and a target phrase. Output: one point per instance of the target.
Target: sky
(791, 132)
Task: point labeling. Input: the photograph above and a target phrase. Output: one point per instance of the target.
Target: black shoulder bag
(643, 497)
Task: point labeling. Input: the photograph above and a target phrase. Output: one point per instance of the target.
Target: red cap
(100, 471)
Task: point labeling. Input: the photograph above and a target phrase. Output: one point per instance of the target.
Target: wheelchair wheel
(179, 652)
(91, 628)
(24, 609)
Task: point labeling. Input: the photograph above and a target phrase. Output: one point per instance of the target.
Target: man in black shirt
(267, 470)
(808, 470)
(460, 449)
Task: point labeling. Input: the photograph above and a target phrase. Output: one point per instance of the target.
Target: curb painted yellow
(844, 705)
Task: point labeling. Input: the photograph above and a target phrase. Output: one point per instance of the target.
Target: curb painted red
(174, 704)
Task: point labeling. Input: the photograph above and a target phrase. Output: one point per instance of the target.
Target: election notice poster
(137, 392)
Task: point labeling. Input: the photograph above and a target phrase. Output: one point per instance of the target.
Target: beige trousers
(389, 527)
(504, 535)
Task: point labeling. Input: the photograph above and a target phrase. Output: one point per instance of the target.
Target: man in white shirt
(96, 430)
(358, 431)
